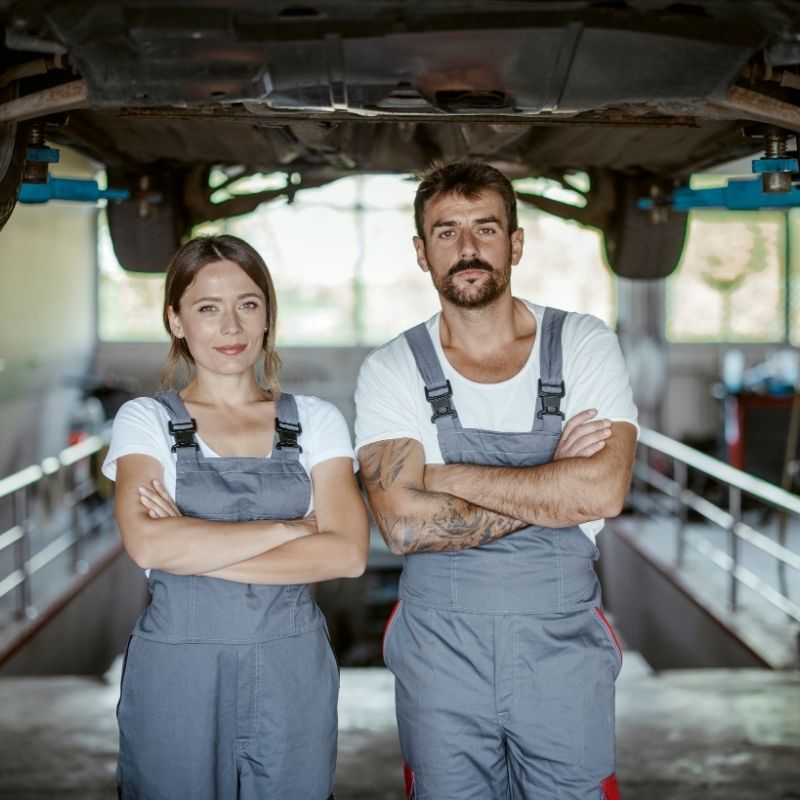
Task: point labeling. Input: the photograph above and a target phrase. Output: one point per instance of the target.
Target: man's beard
(472, 296)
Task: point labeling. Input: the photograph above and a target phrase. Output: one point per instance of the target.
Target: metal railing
(675, 496)
(66, 490)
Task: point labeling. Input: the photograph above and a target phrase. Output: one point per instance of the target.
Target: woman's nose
(230, 322)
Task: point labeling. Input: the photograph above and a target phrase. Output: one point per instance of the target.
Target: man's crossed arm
(553, 495)
(413, 519)
(458, 506)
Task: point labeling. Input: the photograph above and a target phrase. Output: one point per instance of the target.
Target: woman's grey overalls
(504, 663)
(229, 689)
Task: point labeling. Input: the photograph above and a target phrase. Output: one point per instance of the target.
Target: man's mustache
(466, 264)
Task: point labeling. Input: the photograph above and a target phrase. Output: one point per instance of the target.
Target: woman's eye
(206, 308)
(250, 304)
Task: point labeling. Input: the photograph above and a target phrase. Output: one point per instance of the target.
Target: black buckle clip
(551, 395)
(287, 434)
(439, 399)
(183, 433)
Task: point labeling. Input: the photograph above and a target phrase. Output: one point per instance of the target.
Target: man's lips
(470, 269)
(471, 273)
(232, 349)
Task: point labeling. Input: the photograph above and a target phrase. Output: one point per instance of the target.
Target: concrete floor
(683, 735)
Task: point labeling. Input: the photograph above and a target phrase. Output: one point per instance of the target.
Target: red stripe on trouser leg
(408, 779)
(388, 625)
(610, 788)
(608, 627)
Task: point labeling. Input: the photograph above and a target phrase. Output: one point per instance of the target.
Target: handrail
(682, 498)
(68, 456)
(723, 472)
(72, 478)
(20, 480)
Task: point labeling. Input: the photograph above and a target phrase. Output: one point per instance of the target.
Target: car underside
(635, 95)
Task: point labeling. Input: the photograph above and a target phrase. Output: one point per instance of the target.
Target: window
(345, 271)
(732, 282)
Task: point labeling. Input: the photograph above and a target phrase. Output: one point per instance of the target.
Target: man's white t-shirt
(140, 427)
(391, 404)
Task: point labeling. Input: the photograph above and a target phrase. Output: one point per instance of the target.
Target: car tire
(145, 234)
(635, 245)
(13, 142)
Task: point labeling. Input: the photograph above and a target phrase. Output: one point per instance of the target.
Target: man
(504, 662)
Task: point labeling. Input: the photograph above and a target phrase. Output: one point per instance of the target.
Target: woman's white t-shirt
(140, 427)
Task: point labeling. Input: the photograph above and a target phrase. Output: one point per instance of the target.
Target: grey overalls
(504, 663)
(229, 689)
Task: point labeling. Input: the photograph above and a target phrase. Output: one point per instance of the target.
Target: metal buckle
(183, 433)
(287, 434)
(439, 399)
(551, 395)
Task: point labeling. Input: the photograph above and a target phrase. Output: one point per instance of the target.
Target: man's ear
(517, 242)
(174, 323)
(419, 247)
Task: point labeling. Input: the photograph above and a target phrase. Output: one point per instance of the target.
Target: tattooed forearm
(455, 525)
(383, 462)
(413, 520)
(443, 524)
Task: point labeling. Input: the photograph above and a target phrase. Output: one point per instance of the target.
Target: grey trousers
(504, 706)
(228, 722)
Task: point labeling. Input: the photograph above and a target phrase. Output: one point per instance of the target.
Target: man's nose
(468, 245)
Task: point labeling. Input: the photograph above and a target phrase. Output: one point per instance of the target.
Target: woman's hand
(300, 528)
(157, 501)
(160, 505)
(582, 436)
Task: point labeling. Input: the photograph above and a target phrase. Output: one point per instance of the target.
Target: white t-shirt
(391, 404)
(141, 427)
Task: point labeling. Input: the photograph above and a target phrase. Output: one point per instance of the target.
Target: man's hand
(582, 436)
(588, 479)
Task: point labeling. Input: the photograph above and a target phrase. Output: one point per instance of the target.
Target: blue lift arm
(739, 195)
(68, 189)
(75, 189)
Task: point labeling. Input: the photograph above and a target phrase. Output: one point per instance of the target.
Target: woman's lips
(231, 350)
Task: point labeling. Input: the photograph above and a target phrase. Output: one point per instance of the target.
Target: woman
(233, 496)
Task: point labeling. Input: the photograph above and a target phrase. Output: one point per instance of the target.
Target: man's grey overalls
(229, 689)
(504, 663)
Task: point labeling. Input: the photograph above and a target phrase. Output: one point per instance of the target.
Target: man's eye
(447, 234)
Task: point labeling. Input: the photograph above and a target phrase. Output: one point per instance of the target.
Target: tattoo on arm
(439, 522)
(382, 462)
(454, 525)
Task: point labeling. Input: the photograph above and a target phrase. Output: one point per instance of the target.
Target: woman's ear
(174, 323)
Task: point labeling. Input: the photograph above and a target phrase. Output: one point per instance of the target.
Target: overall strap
(551, 378)
(438, 391)
(182, 427)
(287, 430)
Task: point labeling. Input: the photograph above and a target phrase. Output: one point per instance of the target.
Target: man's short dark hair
(467, 179)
